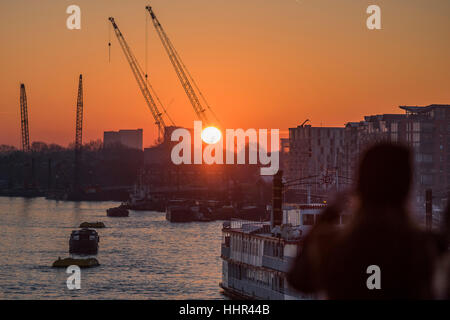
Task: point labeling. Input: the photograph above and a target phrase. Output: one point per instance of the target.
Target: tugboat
(120, 211)
(84, 241)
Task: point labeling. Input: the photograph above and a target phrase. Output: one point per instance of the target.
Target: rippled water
(141, 257)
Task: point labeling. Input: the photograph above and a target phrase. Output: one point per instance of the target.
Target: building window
(426, 179)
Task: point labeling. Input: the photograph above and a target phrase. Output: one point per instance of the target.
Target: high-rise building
(374, 128)
(325, 153)
(426, 129)
(316, 156)
(428, 132)
(128, 138)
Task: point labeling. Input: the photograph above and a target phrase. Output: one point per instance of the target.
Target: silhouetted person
(334, 262)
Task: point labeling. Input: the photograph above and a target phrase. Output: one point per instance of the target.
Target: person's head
(385, 175)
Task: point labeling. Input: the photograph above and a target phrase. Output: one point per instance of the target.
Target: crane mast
(140, 78)
(24, 119)
(79, 123)
(78, 133)
(180, 69)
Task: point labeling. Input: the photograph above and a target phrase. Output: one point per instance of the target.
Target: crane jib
(143, 84)
(186, 80)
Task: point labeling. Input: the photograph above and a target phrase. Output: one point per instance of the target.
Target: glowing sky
(260, 63)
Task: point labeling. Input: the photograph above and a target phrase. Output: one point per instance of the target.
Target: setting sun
(211, 135)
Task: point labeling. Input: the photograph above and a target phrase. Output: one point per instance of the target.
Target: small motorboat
(120, 211)
(84, 241)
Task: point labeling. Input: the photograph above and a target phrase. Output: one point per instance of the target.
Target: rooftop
(420, 109)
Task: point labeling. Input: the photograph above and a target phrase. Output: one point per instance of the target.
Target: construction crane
(24, 119)
(187, 82)
(79, 123)
(142, 81)
(78, 132)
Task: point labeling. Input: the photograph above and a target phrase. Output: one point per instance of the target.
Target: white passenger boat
(256, 256)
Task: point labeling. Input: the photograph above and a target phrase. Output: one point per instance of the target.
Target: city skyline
(260, 65)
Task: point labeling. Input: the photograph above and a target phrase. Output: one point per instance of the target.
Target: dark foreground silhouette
(337, 262)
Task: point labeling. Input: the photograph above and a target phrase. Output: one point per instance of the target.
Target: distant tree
(39, 147)
(55, 148)
(93, 145)
(6, 149)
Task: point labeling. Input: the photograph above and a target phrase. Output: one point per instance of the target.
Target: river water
(142, 256)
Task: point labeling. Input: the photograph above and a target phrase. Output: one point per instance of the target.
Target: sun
(211, 135)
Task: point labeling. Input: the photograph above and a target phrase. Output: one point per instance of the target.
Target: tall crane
(24, 119)
(142, 81)
(186, 80)
(78, 132)
(79, 123)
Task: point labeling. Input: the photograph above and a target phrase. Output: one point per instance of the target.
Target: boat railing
(245, 225)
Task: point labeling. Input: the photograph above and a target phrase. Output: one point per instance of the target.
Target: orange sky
(260, 63)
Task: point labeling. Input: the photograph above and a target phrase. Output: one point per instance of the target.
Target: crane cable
(109, 42)
(177, 60)
(195, 86)
(140, 68)
(146, 47)
(146, 64)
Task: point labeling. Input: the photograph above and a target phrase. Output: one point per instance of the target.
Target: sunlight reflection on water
(141, 257)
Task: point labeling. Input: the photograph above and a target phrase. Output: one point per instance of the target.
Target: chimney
(277, 200)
